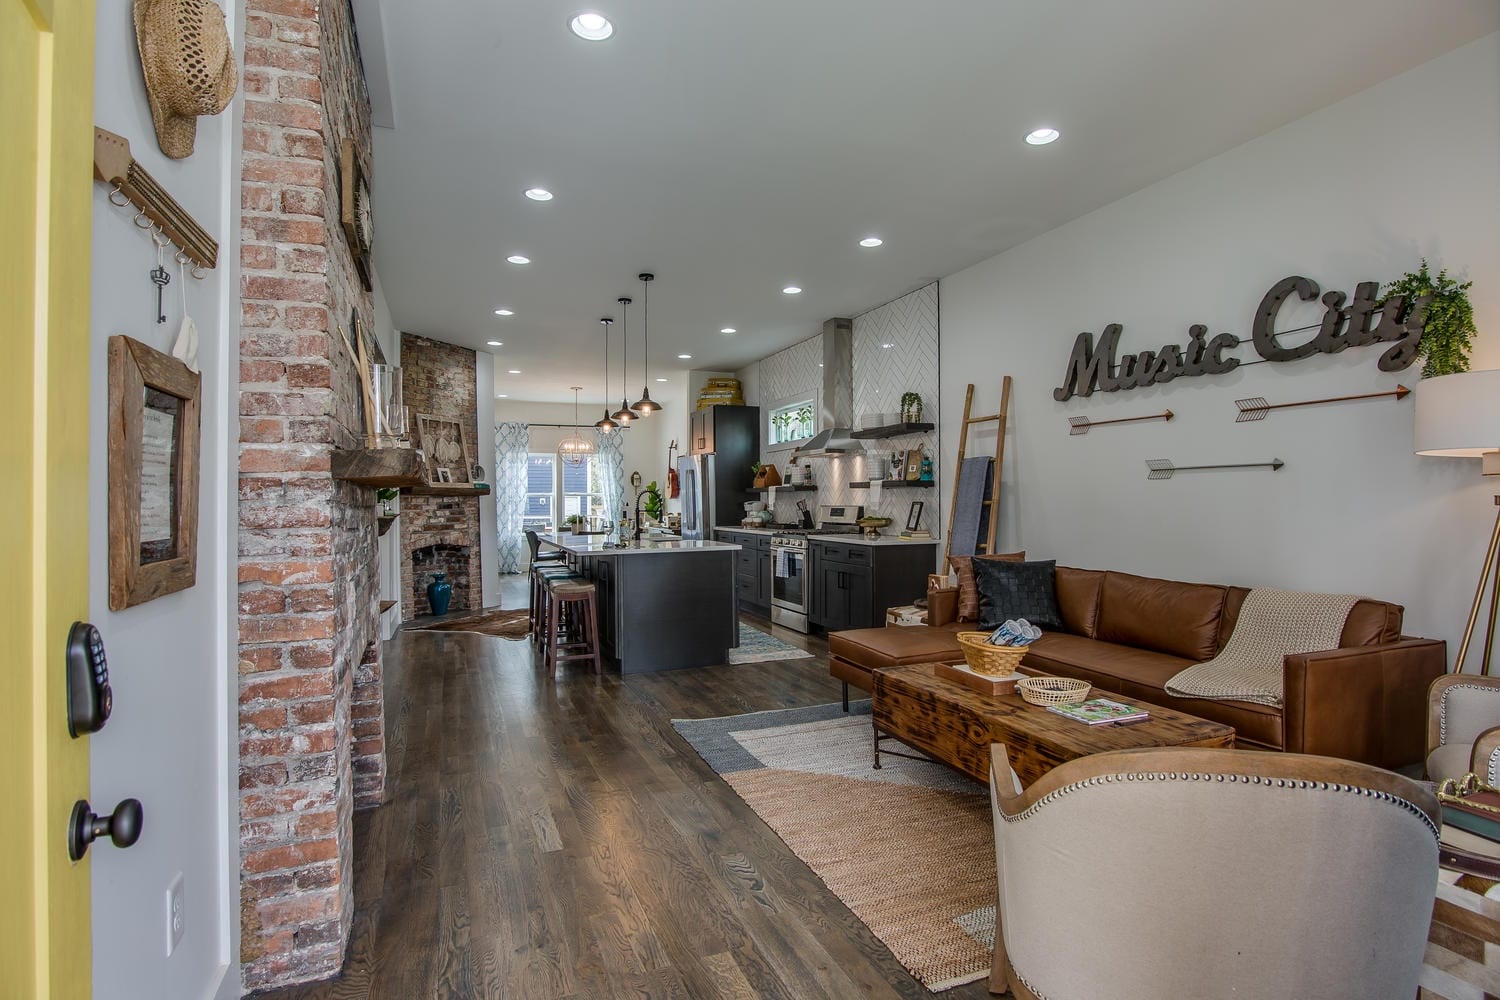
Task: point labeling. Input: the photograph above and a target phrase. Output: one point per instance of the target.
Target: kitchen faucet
(638, 496)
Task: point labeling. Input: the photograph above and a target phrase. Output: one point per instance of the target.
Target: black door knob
(123, 826)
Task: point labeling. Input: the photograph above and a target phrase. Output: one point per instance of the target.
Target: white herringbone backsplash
(881, 375)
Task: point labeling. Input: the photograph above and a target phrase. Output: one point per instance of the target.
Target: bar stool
(537, 604)
(571, 623)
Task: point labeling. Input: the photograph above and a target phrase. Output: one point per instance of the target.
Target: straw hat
(189, 67)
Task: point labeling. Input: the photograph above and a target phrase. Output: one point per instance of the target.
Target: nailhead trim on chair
(1443, 710)
(1248, 779)
(1494, 764)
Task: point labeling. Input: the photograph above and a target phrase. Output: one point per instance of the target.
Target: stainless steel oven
(789, 585)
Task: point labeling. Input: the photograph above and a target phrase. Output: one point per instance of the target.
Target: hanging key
(161, 277)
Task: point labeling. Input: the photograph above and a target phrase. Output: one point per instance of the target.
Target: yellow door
(46, 140)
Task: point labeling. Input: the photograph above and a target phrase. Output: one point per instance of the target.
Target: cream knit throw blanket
(1272, 624)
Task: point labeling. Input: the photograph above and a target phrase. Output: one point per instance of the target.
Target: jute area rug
(493, 621)
(758, 647)
(907, 848)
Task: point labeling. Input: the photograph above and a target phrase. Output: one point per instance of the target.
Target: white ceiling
(733, 148)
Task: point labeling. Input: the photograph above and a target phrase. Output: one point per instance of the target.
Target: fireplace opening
(430, 560)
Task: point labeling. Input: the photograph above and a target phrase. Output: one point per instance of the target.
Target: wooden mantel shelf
(386, 606)
(377, 468)
(426, 490)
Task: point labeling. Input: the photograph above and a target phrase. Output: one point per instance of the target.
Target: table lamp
(1458, 416)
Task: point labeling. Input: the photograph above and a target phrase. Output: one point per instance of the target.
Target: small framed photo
(913, 464)
(914, 516)
(444, 474)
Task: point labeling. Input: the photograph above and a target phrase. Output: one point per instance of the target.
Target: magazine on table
(1100, 712)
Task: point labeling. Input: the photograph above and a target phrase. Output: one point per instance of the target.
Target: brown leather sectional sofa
(1365, 700)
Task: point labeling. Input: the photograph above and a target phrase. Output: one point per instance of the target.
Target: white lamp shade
(1458, 416)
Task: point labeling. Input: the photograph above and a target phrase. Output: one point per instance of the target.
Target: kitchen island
(664, 603)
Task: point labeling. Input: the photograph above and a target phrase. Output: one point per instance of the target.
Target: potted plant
(385, 495)
(1448, 334)
(574, 523)
(911, 408)
(653, 505)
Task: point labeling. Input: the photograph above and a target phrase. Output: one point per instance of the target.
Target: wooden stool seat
(541, 575)
(570, 609)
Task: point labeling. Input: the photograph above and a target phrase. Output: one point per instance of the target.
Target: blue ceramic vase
(439, 593)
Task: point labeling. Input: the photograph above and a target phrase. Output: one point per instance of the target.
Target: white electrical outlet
(176, 922)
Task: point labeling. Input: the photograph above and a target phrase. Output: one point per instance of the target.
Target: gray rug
(715, 742)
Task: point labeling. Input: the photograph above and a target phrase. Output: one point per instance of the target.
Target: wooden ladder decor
(987, 544)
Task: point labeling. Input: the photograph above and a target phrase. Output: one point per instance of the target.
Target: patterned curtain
(512, 442)
(611, 459)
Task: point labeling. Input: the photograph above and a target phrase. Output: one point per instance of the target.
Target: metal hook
(142, 215)
(123, 200)
(164, 241)
(181, 258)
(198, 272)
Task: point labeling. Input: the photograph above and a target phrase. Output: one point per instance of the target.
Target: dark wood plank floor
(558, 839)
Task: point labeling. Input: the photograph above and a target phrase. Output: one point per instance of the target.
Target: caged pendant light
(646, 406)
(624, 415)
(607, 424)
(574, 448)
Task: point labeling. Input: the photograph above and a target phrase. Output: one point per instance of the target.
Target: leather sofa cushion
(1078, 599)
(1370, 623)
(968, 587)
(1142, 674)
(1181, 619)
(887, 647)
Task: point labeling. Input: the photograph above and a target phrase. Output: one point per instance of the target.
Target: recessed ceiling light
(791, 290)
(502, 395)
(661, 380)
(1042, 136)
(871, 241)
(516, 258)
(685, 357)
(539, 194)
(886, 347)
(728, 330)
(494, 343)
(591, 26)
(503, 312)
(515, 371)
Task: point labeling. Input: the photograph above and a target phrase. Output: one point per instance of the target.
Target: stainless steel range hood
(836, 409)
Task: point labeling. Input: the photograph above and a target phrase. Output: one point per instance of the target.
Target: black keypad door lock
(89, 696)
(122, 827)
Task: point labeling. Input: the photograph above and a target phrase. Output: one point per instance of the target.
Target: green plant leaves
(1449, 333)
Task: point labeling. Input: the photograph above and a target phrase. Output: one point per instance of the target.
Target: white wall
(1357, 191)
(489, 542)
(171, 741)
(389, 545)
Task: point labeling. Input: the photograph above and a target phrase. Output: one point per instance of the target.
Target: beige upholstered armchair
(1463, 727)
(1205, 874)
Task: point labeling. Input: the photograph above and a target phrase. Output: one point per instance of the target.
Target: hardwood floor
(557, 839)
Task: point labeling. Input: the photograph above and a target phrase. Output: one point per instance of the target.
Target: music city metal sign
(1365, 320)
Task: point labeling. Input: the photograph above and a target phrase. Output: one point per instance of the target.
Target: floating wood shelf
(890, 431)
(426, 490)
(786, 487)
(378, 468)
(383, 524)
(386, 606)
(897, 484)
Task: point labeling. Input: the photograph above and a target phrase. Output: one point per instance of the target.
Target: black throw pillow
(1017, 590)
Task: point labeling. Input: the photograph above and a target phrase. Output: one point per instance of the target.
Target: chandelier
(574, 448)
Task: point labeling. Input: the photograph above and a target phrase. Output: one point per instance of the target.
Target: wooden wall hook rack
(114, 165)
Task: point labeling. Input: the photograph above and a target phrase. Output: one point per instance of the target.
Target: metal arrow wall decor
(1082, 425)
(1256, 407)
(1162, 468)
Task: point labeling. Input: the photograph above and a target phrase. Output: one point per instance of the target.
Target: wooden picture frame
(445, 445)
(354, 211)
(154, 427)
(914, 515)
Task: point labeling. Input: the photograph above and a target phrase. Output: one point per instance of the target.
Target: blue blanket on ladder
(971, 517)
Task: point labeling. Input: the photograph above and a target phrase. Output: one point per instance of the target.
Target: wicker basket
(992, 661)
(1046, 691)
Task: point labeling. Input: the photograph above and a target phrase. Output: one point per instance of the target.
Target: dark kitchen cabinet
(726, 431)
(854, 584)
(752, 568)
(701, 432)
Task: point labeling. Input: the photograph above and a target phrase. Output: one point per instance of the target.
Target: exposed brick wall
(438, 379)
(307, 574)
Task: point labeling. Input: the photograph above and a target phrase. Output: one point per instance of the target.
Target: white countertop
(860, 539)
(748, 531)
(596, 545)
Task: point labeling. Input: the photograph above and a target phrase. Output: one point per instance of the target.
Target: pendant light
(574, 448)
(646, 406)
(606, 425)
(624, 415)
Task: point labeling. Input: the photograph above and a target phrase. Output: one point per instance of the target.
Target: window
(540, 476)
(790, 422)
(556, 490)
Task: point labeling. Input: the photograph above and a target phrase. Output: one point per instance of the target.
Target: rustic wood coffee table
(955, 725)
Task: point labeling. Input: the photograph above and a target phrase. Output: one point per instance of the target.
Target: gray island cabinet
(664, 604)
